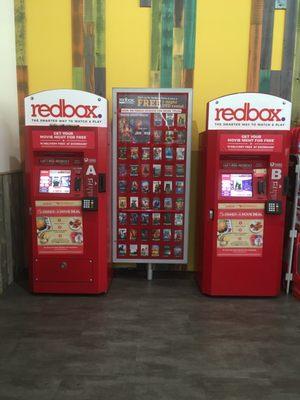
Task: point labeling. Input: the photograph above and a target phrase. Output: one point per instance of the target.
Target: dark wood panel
(89, 58)
(288, 49)
(100, 81)
(145, 3)
(267, 35)
(77, 33)
(275, 83)
(12, 228)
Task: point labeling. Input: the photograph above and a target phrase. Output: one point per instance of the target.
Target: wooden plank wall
(88, 45)
(173, 43)
(12, 228)
(266, 46)
(261, 77)
(155, 44)
(288, 50)
(22, 70)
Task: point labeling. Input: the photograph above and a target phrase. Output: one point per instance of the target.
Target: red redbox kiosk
(244, 164)
(67, 177)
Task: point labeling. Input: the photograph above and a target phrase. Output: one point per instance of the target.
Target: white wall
(9, 124)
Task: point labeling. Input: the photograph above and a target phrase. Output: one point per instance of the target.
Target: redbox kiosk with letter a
(68, 192)
(244, 164)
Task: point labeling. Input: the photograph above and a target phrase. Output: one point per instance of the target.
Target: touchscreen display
(236, 185)
(55, 181)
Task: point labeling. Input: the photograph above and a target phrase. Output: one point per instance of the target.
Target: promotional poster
(152, 144)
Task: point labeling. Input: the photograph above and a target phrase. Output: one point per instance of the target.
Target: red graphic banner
(63, 139)
(258, 143)
(59, 227)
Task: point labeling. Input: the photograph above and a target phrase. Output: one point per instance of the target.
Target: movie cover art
(169, 138)
(169, 170)
(156, 203)
(132, 235)
(134, 153)
(169, 153)
(178, 219)
(122, 233)
(122, 202)
(122, 218)
(167, 218)
(179, 170)
(155, 250)
(145, 218)
(156, 170)
(158, 119)
(122, 169)
(133, 250)
(134, 170)
(145, 235)
(134, 203)
(144, 250)
(180, 153)
(124, 130)
(145, 203)
(168, 203)
(145, 153)
(157, 135)
(157, 153)
(178, 235)
(167, 251)
(168, 186)
(140, 128)
(167, 234)
(122, 186)
(145, 170)
(156, 187)
(155, 234)
(155, 218)
(145, 187)
(181, 137)
(122, 249)
(181, 119)
(134, 218)
(134, 186)
(179, 204)
(169, 119)
(122, 153)
(179, 187)
(178, 251)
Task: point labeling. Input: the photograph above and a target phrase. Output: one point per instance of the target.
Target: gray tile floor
(148, 340)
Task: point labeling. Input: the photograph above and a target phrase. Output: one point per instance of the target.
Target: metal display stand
(151, 145)
(294, 227)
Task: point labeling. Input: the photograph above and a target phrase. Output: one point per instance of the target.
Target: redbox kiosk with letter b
(68, 192)
(244, 164)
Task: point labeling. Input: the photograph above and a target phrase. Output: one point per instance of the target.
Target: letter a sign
(244, 111)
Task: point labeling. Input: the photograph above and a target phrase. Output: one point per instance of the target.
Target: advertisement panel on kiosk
(151, 174)
(244, 165)
(67, 159)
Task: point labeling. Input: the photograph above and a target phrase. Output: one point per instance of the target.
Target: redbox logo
(63, 110)
(248, 113)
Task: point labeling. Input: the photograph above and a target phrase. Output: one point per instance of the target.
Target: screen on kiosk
(55, 181)
(236, 185)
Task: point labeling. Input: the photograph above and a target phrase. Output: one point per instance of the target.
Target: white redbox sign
(244, 111)
(65, 107)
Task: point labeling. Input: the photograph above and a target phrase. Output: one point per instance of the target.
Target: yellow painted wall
(277, 40)
(48, 44)
(221, 54)
(222, 42)
(128, 43)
